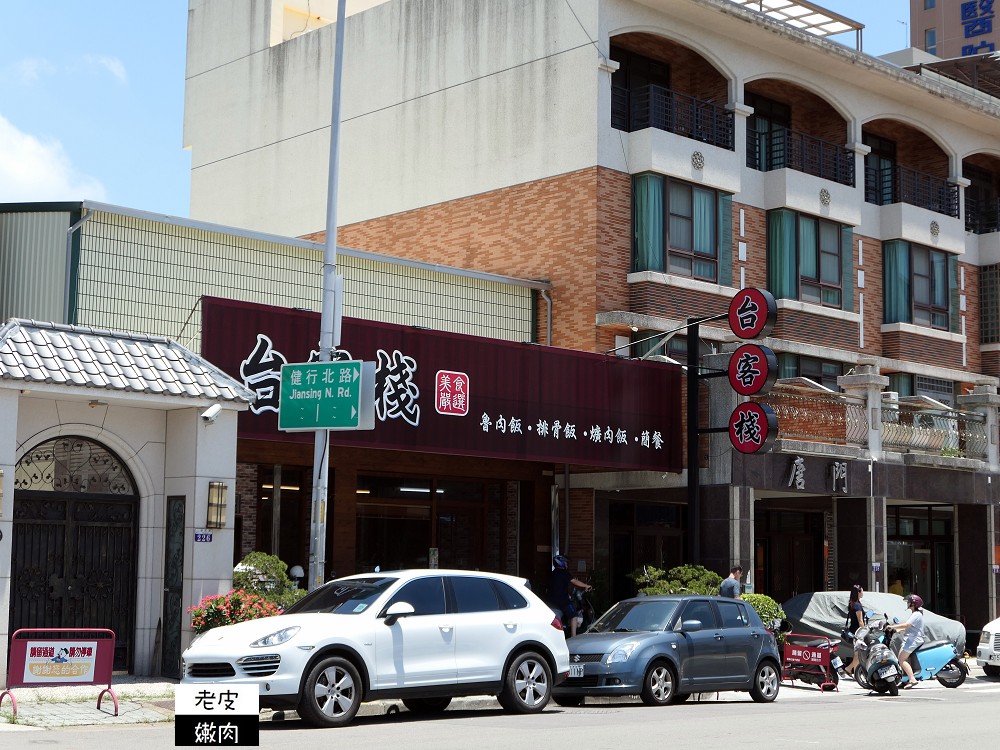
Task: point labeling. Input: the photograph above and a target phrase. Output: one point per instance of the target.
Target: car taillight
(556, 623)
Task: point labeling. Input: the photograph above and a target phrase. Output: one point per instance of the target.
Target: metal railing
(899, 184)
(947, 433)
(658, 107)
(981, 216)
(818, 416)
(791, 149)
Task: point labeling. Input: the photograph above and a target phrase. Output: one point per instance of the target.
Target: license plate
(576, 670)
(836, 662)
(887, 672)
(994, 658)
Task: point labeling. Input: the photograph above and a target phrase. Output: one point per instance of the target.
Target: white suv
(423, 636)
(988, 651)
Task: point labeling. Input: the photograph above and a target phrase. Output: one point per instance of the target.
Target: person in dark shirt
(560, 583)
(730, 587)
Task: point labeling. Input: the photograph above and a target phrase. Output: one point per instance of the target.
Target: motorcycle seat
(933, 644)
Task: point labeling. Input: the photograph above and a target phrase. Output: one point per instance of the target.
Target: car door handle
(445, 628)
(510, 625)
(718, 636)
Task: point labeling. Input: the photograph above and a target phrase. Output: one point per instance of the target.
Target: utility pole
(330, 318)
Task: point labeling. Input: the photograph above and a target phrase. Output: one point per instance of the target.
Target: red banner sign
(752, 313)
(752, 369)
(490, 398)
(753, 427)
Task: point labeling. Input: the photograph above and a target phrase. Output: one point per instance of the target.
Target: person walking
(855, 619)
(913, 629)
(561, 581)
(730, 587)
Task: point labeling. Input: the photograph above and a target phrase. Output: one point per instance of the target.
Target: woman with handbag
(855, 619)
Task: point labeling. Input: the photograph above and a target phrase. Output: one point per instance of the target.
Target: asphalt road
(800, 717)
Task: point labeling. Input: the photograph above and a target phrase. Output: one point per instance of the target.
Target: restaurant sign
(450, 393)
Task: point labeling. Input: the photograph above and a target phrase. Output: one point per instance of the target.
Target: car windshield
(344, 597)
(635, 616)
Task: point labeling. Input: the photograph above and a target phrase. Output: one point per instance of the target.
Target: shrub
(225, 609)
(267, 576)
(766, 607)
(684, 579)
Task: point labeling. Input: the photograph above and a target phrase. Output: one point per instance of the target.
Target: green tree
(267, 576)
(684, 579)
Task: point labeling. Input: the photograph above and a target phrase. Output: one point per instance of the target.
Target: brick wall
(246, 507)
(546, 229)
(917, 348)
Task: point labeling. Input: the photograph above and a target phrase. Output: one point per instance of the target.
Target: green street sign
(327, 396)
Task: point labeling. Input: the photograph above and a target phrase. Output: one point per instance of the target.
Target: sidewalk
(146, 700)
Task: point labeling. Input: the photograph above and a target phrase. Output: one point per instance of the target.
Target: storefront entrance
(419, 523)
(921, 555)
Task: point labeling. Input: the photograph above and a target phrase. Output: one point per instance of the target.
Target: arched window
(73, 464)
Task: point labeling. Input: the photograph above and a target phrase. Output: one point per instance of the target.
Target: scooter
(878, 666)
(938, 660)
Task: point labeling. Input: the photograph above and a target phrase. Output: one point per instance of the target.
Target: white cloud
(27, 70)
(112, 64)
(32, 169)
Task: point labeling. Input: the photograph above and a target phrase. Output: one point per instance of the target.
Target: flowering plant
(225, 609)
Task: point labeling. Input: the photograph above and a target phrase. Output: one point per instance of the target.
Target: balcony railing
(658, 107)
(904, 185)
(791, 149)
(818, 416)
(811, 415)
(946, 433)
(981, 216)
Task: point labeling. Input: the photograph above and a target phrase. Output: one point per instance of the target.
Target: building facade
(649, 159)
(954, 28)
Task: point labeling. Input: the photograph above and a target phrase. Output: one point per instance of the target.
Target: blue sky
(92, 97)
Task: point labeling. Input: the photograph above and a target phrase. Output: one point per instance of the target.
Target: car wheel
(427, 705)
(657, 684)
(953, 674)
(766, 682)
(332, 694)
(527, 684)
(569, 701)
(991, 670)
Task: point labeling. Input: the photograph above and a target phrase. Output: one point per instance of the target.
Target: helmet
(914, 600)
(560, 561)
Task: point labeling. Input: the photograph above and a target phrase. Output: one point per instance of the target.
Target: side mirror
(869, 613)
(397, 610)
(690, 626)
(895, 620)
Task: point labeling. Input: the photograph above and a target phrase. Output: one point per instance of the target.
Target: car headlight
(984, 638)
(276, 639)
(623, 652)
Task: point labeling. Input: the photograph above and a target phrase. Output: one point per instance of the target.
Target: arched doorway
(76, 521)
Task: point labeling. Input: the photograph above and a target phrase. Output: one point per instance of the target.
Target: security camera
(211, 413)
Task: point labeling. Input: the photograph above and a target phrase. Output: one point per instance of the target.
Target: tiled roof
(36, 352)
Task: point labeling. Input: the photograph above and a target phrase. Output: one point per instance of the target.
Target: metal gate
(76, 516)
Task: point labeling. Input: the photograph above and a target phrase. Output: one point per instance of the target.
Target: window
(425, 594)
(702, 611)
(510, 598)
(809, 259)
(733, 615)
(644, 342)
(474, 594)
(824, 372)
(930, 41)
(916, 282)
(681, 228)
(929, 4)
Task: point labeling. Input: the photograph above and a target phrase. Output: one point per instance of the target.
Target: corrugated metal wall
(146, 276)
(33, 265)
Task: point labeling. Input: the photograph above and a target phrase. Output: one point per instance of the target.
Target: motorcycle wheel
(894, 690)
(859, 677)
(953, 674)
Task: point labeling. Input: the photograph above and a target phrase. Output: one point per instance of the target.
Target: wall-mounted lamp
(95, 403)
(218, 499)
